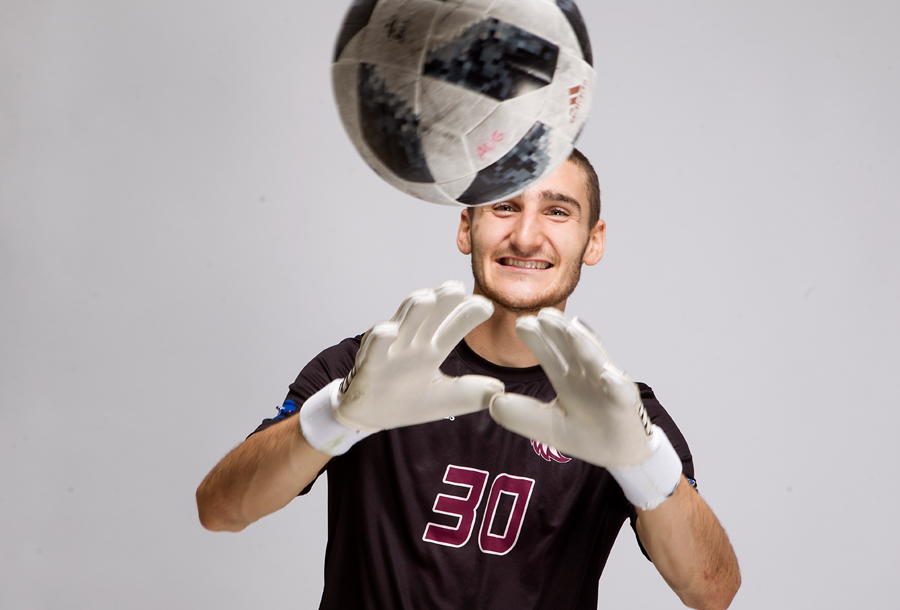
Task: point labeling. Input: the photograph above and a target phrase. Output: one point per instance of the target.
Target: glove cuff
(319, 427)
(649, 484)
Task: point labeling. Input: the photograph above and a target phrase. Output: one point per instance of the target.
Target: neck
(496, 339)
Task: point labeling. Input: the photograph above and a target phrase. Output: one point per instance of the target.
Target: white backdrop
(183, 224)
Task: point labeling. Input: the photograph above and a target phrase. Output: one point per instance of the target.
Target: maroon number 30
(465, 510)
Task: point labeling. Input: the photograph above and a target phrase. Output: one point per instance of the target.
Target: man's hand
(396, 380)
(597, 415)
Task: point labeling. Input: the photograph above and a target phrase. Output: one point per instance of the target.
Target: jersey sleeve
(332, 363)
(660, 417)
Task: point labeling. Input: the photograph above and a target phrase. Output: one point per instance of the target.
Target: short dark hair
(592, 182)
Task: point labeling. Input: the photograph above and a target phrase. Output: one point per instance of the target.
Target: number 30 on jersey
(465, 509)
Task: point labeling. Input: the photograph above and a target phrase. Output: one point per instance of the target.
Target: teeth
(511, 262)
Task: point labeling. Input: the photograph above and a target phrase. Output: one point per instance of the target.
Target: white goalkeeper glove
(396, 380)
(597, 416)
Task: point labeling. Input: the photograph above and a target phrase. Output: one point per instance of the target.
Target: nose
(527, 234)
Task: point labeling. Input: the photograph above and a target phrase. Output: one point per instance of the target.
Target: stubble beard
(525, 306)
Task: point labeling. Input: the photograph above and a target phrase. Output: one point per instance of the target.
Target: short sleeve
(332, 363)
(660, 417)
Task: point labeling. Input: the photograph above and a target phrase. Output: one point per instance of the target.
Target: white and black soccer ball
(463, 102)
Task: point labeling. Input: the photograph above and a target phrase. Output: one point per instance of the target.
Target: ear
(596, 244)
(463, 237)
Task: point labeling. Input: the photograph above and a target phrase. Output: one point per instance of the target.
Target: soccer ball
(463, 102)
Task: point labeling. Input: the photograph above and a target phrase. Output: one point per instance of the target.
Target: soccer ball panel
(347, 79)
(432, 193)
(444, 156)
(397, 33)
(536, 17)
(453, 20)
(496, 136)
(568, 41)
(388, 120)
(344, 81)
(531, 106)
(356, 20)
(576, 21)
(480, 6)
(452, 107)
(351, 51)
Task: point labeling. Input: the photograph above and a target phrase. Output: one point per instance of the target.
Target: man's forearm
(690, 549)
(258, 477)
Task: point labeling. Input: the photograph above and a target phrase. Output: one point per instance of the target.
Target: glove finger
(527, 416)
(555, 326)
(612, 380)
(621, 389)
(447, 297)
(588, 350)
(412, 313)
(413, 297)
(532, 333)
(467, 394)
(461, 321)
(591, 339)
(376, 343)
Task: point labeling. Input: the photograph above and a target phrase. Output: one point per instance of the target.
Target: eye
(558, 212)
(503, 207)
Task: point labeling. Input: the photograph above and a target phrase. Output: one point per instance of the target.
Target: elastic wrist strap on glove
(319, 427)
(649, 484)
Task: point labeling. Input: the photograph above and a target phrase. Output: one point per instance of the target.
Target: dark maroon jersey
(463, 514)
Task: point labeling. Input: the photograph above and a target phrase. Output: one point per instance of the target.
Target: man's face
(527, 252)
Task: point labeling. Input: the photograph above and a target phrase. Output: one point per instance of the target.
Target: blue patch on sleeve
(286, 409)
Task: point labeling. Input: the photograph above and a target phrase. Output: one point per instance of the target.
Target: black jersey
(463, 514)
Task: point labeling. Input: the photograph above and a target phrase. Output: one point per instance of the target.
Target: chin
(525, 302)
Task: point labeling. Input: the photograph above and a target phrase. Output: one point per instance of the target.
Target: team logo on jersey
(551, 454)
(286, 409)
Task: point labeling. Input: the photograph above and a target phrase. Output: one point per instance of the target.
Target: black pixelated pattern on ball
(357, 18)
(390, 128)
(570, 10)
(524, 164)
(496, 59)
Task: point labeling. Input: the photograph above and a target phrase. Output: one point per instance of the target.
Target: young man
(432, 504)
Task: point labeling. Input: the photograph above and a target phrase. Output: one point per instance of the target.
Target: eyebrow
(560, 197)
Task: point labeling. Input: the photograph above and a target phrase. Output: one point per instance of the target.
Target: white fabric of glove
(597, 416)
(397, 380)
(319, 427)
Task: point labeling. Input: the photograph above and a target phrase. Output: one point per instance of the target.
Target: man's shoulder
(651, 402)
(661, 417)
(332, 362)
(339, 351)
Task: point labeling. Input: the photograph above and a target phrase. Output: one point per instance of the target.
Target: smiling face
(527, 252)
